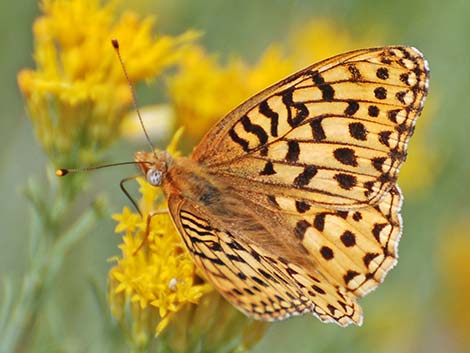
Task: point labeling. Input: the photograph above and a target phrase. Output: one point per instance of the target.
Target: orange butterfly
(290, 204)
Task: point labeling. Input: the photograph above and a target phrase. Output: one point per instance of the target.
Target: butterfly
(289, 204)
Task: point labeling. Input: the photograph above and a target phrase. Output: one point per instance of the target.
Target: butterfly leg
(124, 190)
(147, 227)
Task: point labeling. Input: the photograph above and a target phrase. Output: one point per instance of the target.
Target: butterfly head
(153, 165)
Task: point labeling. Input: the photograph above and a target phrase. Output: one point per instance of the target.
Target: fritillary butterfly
(290, 204)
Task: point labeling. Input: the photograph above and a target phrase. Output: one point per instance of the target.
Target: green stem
(48, 253)
(76, 233)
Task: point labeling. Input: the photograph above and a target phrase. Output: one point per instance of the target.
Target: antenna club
(61, 172)
(115, 43)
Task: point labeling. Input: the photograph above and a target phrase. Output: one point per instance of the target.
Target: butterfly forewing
(333, 134)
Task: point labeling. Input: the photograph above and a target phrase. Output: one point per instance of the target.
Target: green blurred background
(423, 306)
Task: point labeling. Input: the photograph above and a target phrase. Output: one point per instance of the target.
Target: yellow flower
(127, 221)
(77, 95)
(161, 275)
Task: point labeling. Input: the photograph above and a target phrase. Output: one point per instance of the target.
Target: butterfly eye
(154, 177)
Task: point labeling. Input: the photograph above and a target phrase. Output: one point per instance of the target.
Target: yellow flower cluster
(160, 276)
(77, 95)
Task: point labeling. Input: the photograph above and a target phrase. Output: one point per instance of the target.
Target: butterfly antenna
(64, 171)
(115, 44)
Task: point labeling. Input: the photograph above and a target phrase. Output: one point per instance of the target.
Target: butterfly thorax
(188, 179)
(181, 176)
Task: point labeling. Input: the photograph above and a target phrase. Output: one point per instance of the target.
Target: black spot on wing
(348, 277)
(348, 238)
(331, 309)
(346, 181)
(268, 169)
(327, 253)
(254, 129)
(318, 289)
(342, 214)
(401, 96)
(380, 93)
(382, 73)
(293, 151)
(404, 78)
(242, 276)
(384, 137)
(357, 216)
(369, 257)
(300, 229)
(327, 90)
(304, 178)
(392, 115)
(237, 139)
(328, 93)
(377, 229)
(373, 111)
(346, 156)
(378, 163)
(268, 112)
(319, 221)
(302, 206)
(259, 281)
(317, 78)
(358, 131)
(317, 129)
(355, 73)
(352, 108)
(272, 200)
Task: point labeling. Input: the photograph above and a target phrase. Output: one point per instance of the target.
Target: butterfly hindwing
(260, 284)
(334, 134)
(352, 249)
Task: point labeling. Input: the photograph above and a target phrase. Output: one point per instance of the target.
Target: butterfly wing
(300, 211)
(346, 254)
(353, 250)
(261, 284)
(334, 134)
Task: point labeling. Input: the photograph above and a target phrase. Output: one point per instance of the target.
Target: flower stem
(48, 250)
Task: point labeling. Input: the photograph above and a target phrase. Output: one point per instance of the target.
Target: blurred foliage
(423, 305)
